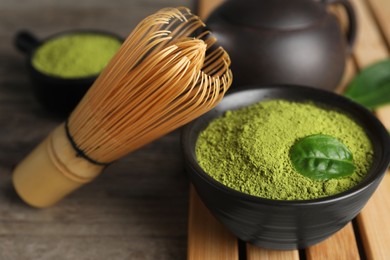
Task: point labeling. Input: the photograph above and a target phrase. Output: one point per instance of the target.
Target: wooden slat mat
(369, 235)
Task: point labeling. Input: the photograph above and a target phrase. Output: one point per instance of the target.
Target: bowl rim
(374, 175)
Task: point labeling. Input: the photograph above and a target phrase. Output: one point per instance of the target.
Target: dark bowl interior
(57, 95)
(279, 224)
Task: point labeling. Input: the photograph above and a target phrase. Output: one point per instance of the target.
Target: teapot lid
(276, 14)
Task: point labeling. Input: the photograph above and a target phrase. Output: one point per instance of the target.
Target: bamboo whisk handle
(52, 171)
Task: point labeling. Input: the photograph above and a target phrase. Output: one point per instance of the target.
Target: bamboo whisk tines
(173, 79)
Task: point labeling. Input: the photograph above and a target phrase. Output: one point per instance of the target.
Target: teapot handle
(352, 23)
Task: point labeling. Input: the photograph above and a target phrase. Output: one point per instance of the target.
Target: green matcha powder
(75, 55)
(248, 149)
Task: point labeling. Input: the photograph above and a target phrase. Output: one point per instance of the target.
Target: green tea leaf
(371, 88)
(321, 157)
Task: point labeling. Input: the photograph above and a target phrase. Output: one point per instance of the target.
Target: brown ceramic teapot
(284, 41)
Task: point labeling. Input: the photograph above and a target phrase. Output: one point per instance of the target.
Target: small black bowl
(57, 95)
(280, 224)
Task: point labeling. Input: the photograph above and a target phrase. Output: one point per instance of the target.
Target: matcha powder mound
(248, 149)
(75, 55)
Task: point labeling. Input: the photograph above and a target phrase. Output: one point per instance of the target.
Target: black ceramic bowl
(278, 224)
(57, 95)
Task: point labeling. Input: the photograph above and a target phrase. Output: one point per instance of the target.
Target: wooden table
(367, 236)
(137, 209)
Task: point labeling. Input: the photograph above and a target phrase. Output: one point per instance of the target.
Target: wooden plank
(381, 9)
(257, 253)
(373, 221)
(205, 7)
(350, 67)
(207, 238)
(349, 73)
(370, 47)
(341, 245)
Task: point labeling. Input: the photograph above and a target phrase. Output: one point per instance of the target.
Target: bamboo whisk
(168, 72)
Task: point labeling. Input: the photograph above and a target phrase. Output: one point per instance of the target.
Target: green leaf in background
(321, 157)
(371, 87)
